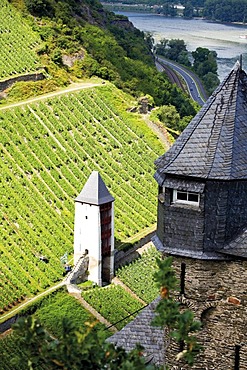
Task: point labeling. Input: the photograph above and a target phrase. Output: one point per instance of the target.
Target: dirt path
(72, 87)
(159, 131)
(31, 300)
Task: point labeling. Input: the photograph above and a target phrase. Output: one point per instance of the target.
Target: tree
(188, 10)
(74, 350)
(168, 115)
(204, 61)
(210, 81)
(205, 66)
(40, 7)
(180, 325)
(168, 9)
(173, 49)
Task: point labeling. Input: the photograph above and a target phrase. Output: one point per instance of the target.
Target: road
(194, 85)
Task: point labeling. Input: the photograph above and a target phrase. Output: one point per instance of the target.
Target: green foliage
(170, 118)
(210, 81)
(138, 275)
(188, 10)
(204, 61)
(25, 90)
(173, 49)
(205, 66)
(111, 49)
(13, 356)
(168, 9)
(168, 115)
(75, 350)
(113, 303)
(226, 11)
(180, 325)
(40, 7)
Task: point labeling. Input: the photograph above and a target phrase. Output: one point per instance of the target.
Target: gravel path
(159, 131)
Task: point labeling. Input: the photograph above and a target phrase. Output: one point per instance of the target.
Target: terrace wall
(29, 77)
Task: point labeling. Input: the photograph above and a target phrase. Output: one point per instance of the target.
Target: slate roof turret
(214, 144)
(95, 191)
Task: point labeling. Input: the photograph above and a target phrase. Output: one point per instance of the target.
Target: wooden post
(182, 278)
(237, 357)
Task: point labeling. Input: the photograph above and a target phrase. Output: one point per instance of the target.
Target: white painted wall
(87, 235)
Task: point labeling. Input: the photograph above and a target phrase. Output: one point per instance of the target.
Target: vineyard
(113, 302)
(117, 305)
(51, 313)
(48, 150)
(138, 276)
(17, 43)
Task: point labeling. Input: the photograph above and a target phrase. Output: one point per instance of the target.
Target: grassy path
(13, 312)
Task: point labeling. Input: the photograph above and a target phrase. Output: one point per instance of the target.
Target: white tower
(94, 229)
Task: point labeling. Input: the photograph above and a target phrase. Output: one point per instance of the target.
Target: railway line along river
(228, 40)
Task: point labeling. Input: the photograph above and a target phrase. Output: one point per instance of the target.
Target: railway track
(171, 74)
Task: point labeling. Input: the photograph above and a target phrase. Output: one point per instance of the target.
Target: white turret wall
(87, 236)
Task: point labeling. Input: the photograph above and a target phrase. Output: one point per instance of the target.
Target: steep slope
(18, 43)
(48, 149)
(80, 39)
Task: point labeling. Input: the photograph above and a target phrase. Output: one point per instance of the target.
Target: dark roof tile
(214, 144)
(141, 331)
(94, 191)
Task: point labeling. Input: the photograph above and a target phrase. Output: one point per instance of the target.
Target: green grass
(61, 306)
(51, 313)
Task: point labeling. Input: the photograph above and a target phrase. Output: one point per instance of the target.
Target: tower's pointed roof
(94, 191)
(214, 144)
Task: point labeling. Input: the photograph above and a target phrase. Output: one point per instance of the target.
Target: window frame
(176, 200)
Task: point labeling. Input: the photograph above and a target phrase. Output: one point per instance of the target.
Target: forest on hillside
(214, 10)
(81, 39)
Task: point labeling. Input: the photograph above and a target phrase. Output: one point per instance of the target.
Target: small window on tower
(186, 197)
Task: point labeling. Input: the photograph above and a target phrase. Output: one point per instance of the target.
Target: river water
(226, 39)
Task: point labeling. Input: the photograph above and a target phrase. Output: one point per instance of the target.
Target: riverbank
(224, 39)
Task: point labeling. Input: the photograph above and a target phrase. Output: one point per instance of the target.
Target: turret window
(186, 197)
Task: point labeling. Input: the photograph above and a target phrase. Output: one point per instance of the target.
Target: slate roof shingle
(141, 331)
(95, 191)
(214, 144)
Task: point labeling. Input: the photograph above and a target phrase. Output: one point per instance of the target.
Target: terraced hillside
(48, 150)
(17, 43)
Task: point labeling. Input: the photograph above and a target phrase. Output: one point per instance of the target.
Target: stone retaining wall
(29, 77)
(6, 325)
(123, 257)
